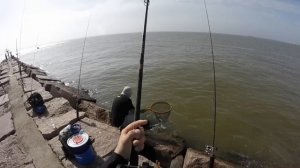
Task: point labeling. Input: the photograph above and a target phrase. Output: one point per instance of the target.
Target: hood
(126, 91)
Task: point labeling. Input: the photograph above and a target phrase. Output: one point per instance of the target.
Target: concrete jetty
(31, 141)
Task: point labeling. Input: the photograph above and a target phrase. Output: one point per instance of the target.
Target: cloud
(58, 20)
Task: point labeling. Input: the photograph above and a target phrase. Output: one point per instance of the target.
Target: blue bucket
(87, 157)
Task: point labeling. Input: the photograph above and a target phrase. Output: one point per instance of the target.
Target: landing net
(162, 110)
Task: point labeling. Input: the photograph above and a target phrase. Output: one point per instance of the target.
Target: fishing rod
(36, 49)
(17, 48)
(211, 149)
(140, 80)
(19, 54)
(80, 68)
(141, 68)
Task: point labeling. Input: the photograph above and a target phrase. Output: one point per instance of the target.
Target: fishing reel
(145, 2)
(210, 150)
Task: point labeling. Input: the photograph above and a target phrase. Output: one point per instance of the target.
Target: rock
(56, 147)
(4, 99)
(5, 108)
(94, 111)
(48, 84)
(50, 127)
(70, 93)
(35, 71)
(45, 78)
(6, 126)
(106, 137)
(12, 155)
(24, 75)
(195, 159)
(143, 160)
(177, 162)
(4, 67)
(72, 163)
(58, 106)
(166, 148)
(4, 81)
(4, 72)
(29, 166)
(3, 77)
(2, 91)
(31, 85)
(16, 69)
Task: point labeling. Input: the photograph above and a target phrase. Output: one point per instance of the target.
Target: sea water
(258, 87)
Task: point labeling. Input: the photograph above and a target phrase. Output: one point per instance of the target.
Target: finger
(138, 142)
(134, 125)
(142, 130)
(138, 145)
(134, 134)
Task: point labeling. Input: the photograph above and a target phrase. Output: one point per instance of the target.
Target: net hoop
(161, 112)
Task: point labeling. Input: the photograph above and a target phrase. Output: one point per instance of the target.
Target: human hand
(134, 135)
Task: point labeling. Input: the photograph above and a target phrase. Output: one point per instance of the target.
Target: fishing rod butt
(211, 161)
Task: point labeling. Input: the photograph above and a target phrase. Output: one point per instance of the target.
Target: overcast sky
(48, 21)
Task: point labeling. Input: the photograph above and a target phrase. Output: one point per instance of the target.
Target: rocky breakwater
(61, 100)
(12, 153)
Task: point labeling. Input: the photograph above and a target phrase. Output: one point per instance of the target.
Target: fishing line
(212, 149)
(80, 68)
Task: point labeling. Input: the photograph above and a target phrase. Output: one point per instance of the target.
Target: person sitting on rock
(121, 107)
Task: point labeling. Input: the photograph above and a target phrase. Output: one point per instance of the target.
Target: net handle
(164, 102)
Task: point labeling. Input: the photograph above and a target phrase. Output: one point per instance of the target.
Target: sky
(29, 23)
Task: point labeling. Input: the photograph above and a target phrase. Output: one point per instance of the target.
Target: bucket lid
(78, 140)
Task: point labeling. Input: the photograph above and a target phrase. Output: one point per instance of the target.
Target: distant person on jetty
(132, 136)
(121, 107)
